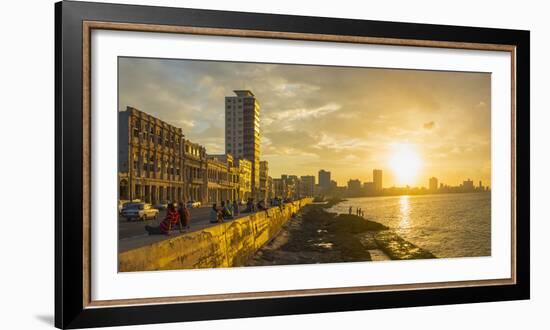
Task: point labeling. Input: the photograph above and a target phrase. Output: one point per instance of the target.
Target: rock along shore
(317, 236)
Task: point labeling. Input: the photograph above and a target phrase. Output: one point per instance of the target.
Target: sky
(347, 120)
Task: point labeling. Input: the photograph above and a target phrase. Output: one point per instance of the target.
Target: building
(279, 188)
(287, 186)
(270, 189)
(264, 174)
(377, 179)
(433, 184)
(222, 179)
(150, 158)
(354, 188)
(245, 179)
(242, 132)
(195, 165)
(368, 188)
(324, 180)
(307, 185)
(468, 185)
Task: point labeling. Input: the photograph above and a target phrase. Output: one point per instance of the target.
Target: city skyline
(310, 122)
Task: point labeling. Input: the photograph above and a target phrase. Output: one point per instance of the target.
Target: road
(200, 218)
(132, 234)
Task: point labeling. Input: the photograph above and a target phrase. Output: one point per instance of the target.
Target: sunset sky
(411, 124)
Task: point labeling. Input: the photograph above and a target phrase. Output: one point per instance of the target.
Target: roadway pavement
(132, 234)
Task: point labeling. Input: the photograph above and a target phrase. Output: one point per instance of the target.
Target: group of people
(226, 210)
(254, 207)
(358, 211)
(174, 216)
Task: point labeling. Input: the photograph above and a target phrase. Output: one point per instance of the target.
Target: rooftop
(243, 93)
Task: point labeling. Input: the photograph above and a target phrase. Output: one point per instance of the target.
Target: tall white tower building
(242, 132)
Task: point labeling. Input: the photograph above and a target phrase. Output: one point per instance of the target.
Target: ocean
(448, 225)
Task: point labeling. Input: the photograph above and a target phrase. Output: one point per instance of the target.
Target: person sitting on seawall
(229, 206)
(261, 207)
(185, 215)
(215, 214)
(236, 211)
(170, 220)
(226, 212)
(249, 205)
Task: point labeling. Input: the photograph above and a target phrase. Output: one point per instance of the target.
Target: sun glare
(405, 163)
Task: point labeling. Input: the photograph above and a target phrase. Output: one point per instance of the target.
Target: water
(448, 225)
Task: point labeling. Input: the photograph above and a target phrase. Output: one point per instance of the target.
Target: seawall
(228, 244)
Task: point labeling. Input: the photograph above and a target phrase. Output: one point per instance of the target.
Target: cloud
(304, 113)
(429, 125)
(314, 117)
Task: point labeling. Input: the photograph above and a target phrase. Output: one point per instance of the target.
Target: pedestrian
(170, 220)
(185, 215)
(236, 211)
(350, 209)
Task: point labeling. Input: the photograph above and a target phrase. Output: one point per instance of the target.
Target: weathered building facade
(155, 162)
(222, 179)
(195, 164)
(264, 175)
(150, 158)
(245, 179)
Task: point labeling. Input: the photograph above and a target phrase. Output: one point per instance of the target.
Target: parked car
(163, 205)
(122, 202)
(139, 211)
(121, 205)
(192, 204)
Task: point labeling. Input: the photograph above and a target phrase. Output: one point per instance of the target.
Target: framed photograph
(214, 164)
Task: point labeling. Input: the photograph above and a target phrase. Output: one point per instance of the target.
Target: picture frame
(74, 23)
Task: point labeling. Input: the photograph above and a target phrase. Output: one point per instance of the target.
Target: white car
(191, 204)
(139, 211)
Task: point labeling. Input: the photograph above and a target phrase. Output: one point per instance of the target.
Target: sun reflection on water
(405, 211)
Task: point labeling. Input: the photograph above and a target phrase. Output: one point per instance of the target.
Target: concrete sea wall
(228, 244)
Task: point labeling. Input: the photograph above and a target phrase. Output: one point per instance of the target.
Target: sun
(405, 163)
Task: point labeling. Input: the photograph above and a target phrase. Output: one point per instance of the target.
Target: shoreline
(317, 236)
